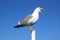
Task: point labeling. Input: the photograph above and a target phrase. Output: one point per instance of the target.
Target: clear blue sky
(12, 11)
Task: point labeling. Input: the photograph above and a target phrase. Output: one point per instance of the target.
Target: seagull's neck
(35, 13)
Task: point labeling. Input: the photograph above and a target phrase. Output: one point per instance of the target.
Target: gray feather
(24, 22)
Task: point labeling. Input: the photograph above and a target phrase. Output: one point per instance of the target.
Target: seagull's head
(39, 9)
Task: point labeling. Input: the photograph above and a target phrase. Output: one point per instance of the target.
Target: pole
(33, 35)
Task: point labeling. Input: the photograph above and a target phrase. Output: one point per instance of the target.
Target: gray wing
(24, 22)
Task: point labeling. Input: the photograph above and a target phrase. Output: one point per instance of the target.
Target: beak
(42, 9)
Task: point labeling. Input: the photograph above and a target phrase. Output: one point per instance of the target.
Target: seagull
(30, 20)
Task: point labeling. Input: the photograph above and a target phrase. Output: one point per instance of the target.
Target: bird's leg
(30, 28)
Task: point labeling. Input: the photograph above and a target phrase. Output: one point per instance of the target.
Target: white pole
(33, 35)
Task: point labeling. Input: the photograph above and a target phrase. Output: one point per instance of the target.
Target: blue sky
(12, 11)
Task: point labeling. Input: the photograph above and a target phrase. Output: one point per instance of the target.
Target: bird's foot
(31, 31)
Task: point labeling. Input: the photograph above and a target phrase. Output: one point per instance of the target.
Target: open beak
(42, 9)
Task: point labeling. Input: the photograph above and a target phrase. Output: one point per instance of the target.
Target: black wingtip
(18, 26)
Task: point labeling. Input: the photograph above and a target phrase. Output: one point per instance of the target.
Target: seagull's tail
(18, 26)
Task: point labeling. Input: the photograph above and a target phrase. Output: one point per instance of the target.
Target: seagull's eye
(41, 10)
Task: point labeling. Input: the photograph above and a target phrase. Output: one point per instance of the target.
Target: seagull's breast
(35, 18)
